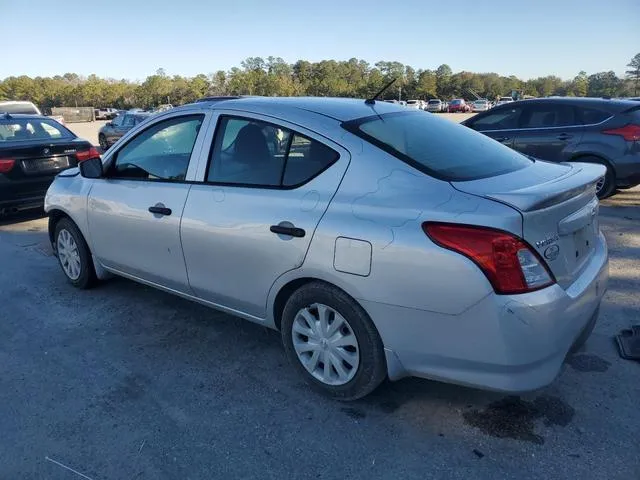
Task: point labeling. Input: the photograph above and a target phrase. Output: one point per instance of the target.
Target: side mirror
(91, 168)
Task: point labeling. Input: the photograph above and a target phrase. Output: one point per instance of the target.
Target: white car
(503, 101)
(481, 105)
(415, 104)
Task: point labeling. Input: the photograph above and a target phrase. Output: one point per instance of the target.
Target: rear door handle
(160, 210)
(285, 230)
(564, 136)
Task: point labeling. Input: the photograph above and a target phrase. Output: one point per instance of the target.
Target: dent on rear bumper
(507, 343)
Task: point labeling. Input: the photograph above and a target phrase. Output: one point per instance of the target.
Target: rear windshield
(456, 102)
(25, 108)
(411, 102)
(28, 129)
(438, 147)
(506, 99)
(434, 102)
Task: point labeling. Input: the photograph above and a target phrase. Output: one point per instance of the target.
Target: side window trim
(196, 152)
(248, 116)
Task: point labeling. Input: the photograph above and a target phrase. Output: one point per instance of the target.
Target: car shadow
(22, 216)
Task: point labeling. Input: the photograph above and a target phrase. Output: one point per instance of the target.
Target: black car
(33, 150)
(569, 129)
(111, 132)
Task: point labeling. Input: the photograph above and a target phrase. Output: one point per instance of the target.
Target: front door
(267, 186)
(500, 123)
(134, 212)
(549, 131)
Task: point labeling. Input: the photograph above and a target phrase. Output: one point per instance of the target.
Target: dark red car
(459, 105)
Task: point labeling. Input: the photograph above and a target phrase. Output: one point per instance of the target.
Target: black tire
(609, 185)
(372, 369)
(102, 140)
(87, 277)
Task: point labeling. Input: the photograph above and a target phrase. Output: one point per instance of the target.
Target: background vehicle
(111, 132)
(415, 104)
(105, 113)
(435, 106)
(571, 129)
(481, 105)
(503, 101)
(33, 149)
(200, 201)
(26, 108)
(458, 106)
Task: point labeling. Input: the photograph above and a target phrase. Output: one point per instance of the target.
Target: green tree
(604, 84)
(634, 72)
(443, 81)
(580, 84)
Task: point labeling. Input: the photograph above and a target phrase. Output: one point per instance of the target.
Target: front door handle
(564, 136)
(286, 230)
(158, 210)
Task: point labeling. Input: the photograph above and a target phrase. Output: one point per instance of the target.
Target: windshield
(29, 129)
(506, 99)
(438, 147)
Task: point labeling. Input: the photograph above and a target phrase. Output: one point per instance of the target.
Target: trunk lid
(559, 210)
(43, 158)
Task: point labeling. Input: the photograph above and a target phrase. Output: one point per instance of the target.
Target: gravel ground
(123, 381)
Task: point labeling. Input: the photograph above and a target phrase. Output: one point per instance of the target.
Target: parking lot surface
(123, 381)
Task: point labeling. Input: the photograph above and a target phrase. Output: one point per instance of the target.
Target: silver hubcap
(600, 185)
(68, 254)
(325, 344)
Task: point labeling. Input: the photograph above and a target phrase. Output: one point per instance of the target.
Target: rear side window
(14, 130)
(502, 119)
(253, 153)
(440, 148)
(589, 116)
(547, 116)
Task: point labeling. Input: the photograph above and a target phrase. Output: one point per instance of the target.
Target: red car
(458, 105)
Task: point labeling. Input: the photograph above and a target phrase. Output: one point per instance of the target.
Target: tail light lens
(6, 164)
(631, 132)
(83, 155)
(508, 262)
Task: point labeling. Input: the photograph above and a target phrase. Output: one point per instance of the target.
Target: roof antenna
(372, 100)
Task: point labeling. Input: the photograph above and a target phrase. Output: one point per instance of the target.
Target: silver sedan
(380, 242)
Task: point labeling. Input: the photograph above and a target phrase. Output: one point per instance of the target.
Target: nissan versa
(380, 241)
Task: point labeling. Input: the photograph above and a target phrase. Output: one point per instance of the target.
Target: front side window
(117, 122)
(503, 119)
(547, 116)
(161, 152)
(254, 153)
(438, 147)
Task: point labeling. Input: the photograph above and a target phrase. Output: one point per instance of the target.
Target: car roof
(341, 109)
(613, 105)
(20, 116)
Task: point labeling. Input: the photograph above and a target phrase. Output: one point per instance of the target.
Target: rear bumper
(506, 343)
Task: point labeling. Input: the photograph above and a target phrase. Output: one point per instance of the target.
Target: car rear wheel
(607, 184)
(332, 342)
(102, 140)
(74, 255)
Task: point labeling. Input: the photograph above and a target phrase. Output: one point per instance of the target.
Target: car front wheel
(74, 255)
(332, 342)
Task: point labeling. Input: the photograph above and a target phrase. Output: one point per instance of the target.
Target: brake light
(631, 132)
(83, 155)
(509, 263)
(6, 164)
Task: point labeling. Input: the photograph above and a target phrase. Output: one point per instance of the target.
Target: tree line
(275, 77)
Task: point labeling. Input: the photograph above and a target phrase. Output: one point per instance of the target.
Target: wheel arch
(576, 157)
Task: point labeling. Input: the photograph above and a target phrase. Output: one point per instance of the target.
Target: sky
(132, 39)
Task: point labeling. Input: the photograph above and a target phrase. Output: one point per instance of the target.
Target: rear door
(500, 123)
(252, 217)
(549, 131)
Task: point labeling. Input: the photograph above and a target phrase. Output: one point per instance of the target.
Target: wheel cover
(600, 185)
(102, 141)
(325, 344)
(68, 254)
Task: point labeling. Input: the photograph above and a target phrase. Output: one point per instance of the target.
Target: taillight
(6, 164)
(508, 262)
(83, 155)
(631, 132)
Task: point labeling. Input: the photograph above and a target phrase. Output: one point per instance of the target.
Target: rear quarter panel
(384, 202)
